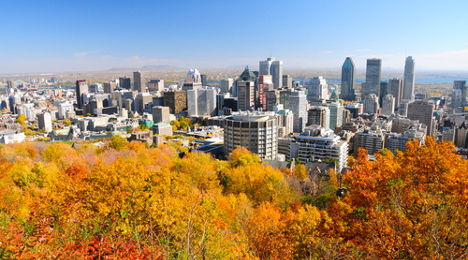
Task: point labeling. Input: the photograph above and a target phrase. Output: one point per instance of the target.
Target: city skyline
(57, 36)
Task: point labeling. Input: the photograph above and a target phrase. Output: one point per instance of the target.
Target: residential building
(318, 144)
(422, 111)
(298, 105)
(371, 104)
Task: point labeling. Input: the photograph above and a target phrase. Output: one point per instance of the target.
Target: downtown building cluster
(270, 113)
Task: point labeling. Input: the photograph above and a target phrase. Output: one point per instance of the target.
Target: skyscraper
(347, 80)
(459, 93)
(422, 111)
(298, 105)
(395, 87)
(246, 90)
(139, 81)
(373, 73)
(274, 68)
(81, 88)
(125, 83)
(318, 88)
(408, 85)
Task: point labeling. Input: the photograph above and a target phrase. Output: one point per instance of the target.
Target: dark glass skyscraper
(347, 80)
(373, 74)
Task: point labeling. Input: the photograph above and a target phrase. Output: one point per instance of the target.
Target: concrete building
(371, 104)
(298, 105)
(265, 84)
(161, 114)
(162, 129)
(272, 67)
(256, 131)
(318, 89)
(273, 98)
(336, 113)
(226, 85)
(347, 80)
(318, 115)
(125, 83)
(246, 90)
(175, 100)
(110, 86)
(394, 142)
(63, 108)
(408, 84)
(156, 85)
(373, 75)
(287, 81)
(395, 87)
(81, 89)
(388, 105)
(316, 144)
(461, 135)
(142, 99)
(201, 102)
(372, 141)
(285, 122)
(44, 122)
(422, 111)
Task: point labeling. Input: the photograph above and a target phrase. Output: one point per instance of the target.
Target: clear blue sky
(68, 35)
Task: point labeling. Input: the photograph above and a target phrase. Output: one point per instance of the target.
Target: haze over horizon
(59, 36)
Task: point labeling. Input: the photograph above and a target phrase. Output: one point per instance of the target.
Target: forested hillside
(127, 201)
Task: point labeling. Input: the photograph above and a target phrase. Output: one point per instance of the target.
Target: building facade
(256, 131)
(347, 80)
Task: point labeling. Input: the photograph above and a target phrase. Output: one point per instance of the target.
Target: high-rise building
(81, 89)
(156, 85)
(285, 122)
(287, 81)
(110, 86)
(226, 85)
(408, 85)
(318, 88)
(336, 114)
(175, 100)
(273, 98)
(395, 88)
(139, 81)
(347, 80)
(317, 144)
(44, 122)
(459, 93)
(274, 68)
(422, 111)
(256, 131)
(383, 91)
(298, 105)
(246, 90)
(371, 104)
(318, 115)
(388, 104)
(142, 99)
(201, 102)
(161, 114)
(373, 74)
(125, 83)
(265, 84)
(203, 80)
